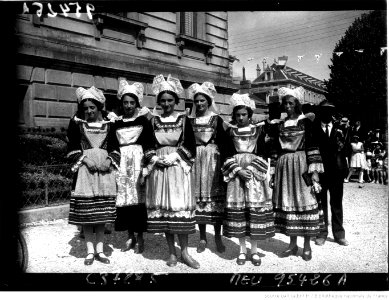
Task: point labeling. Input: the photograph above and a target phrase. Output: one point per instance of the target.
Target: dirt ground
(55, 247)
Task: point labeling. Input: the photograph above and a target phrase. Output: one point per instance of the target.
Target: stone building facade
(57, 55)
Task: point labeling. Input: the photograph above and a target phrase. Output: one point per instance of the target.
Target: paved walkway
(55, 246)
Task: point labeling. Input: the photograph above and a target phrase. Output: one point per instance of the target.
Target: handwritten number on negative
(52, 14)
(302, 279)
(78, 14)
(89, 9)
(39, 11)
(65, 9)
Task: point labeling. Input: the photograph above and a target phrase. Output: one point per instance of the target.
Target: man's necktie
(327, 131)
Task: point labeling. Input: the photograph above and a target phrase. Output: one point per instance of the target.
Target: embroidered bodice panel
(94, 135)
(292, 136)
(204, 129)
(168, 133)
(129, 135)
(245, 138)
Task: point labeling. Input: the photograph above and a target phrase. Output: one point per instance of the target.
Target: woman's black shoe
(289, 252)
(241, 261)
(190, 262)
(256, 261)
(139, 246)
(307, 255)
(103, 260)
(130, 244)
(172, 262)
(201, 246)
(89, 261)
(219, 245)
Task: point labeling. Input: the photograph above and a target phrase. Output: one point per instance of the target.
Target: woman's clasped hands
(167, 160)
(93, 167)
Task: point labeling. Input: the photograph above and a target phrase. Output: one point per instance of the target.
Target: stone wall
(57, 55)
(50, 98)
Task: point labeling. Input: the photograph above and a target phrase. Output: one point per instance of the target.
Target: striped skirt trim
(307, 223)
(213, 218)
(256, 223)
(210, 213)
(92, 211)
(171, 224)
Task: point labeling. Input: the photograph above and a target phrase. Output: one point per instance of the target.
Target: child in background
(358, 159)
(380, 155)
(369, 171)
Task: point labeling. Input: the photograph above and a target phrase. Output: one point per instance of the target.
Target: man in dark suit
(331, 145)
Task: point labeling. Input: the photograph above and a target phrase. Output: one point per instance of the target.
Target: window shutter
(201, 25)
(193, 24)
(188, 23)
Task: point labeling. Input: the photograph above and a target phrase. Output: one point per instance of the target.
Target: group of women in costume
(165, 172)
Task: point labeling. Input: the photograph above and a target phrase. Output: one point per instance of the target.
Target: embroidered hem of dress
(300, 228)
(252, 225)
(257, 206)
(210, 199)
(292, 217)
(210, 207)
(296, 208)
(151, 213)
(83, 196)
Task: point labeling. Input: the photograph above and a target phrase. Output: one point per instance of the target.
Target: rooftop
(283, 72)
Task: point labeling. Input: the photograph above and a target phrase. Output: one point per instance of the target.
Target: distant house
(280, 75)
(264, 88)
(57, 55)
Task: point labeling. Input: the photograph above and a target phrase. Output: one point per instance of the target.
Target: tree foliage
(358, 81)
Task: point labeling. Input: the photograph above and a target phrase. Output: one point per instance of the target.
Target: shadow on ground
(156, 246)
(78, 246)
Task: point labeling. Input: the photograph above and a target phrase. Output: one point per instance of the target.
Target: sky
(254, 36)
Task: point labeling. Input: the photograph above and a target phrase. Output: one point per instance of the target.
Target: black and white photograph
(157, 147)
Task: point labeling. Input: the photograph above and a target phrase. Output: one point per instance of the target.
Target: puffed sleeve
(113, 145)
(230, 166)
(314, 160)
(75, 153)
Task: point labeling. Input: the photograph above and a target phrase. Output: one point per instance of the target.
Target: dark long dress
(134, 138)
(210, 192)
(297, 212)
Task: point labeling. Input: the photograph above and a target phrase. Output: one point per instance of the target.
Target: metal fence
(45, 185)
